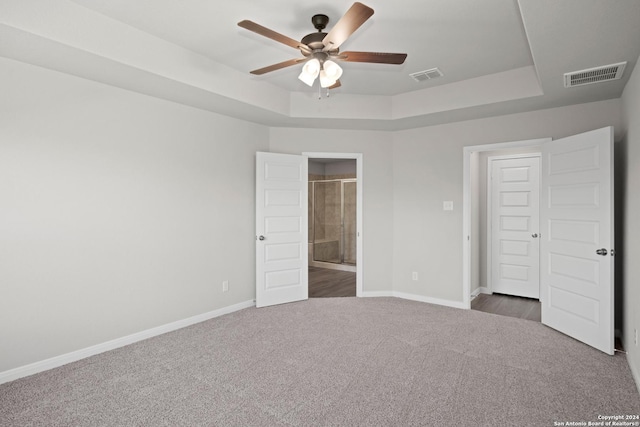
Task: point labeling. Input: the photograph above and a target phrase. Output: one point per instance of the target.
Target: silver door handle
(602, 251)
(534, 235)
(261, 237)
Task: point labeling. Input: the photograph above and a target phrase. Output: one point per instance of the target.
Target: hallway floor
(325, 283)
(508, 305)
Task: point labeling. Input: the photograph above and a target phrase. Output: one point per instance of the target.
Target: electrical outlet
(414, 275)
(225, 286)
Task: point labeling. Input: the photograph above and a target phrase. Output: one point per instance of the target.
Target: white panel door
(281, 229)
(577, 237)
(515, 218)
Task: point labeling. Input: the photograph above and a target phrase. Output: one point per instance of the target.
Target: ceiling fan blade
(347, 25)
(335, 85)
(278, 66)
(266, 32)
(375, 57)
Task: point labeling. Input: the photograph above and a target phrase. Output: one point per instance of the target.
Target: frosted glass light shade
(329, 74)
(332, 69)
(325, 80)
(310, 71)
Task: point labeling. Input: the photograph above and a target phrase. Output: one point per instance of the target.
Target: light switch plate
(447, 205)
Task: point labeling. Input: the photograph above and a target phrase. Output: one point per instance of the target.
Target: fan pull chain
(320, 92)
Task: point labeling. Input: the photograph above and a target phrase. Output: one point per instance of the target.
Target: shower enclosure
(332, 223)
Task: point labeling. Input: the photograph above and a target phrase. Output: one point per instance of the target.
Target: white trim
(359, 208)
(489, 204)
(480, 290)
(378, 294)
(332, 266)
(413, 297)
(54, 362)
(634, 372)
(430, 300)
(466, 205)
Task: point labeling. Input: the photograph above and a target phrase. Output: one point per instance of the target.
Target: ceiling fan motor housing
(320, 21)
(314, 40)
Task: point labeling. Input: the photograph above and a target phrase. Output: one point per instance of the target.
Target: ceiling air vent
(594, 75)
(425, 75)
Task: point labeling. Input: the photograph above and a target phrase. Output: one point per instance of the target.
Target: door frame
(490, 195)
(359, 204)
(466, 204)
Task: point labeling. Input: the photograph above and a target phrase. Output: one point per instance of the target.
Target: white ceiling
(497, 56)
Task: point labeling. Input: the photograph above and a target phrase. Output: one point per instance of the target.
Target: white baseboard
(430, 300)
(54, 362)
(634, 371)
(480, 290)
(374, 294)
(413, 297)
(332, 266)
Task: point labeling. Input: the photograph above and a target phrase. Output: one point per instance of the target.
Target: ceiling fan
(321, 49)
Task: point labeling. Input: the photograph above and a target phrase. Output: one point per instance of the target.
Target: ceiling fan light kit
(321, 50)
(310, 71)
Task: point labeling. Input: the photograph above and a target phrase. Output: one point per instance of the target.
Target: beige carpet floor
(334, 362)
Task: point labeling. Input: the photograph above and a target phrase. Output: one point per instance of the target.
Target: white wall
(377, 189)
(628, 226)
(427, 170)
(118, 212)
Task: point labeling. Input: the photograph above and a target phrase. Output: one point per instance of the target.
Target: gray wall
(119, 212)
(628, 226)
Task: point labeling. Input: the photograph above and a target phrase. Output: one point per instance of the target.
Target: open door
(577, 275)
(281, 229)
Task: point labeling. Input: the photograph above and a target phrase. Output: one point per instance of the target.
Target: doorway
(505, 253)
(576, 213)
(477, 247)
(335, 224)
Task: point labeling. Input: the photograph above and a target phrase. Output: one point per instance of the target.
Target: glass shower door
(327, 240)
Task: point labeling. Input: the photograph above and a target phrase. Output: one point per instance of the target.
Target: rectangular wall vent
(594, 75)
(425, 75)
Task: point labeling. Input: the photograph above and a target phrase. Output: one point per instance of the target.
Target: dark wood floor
(331, 283)
(507, 305)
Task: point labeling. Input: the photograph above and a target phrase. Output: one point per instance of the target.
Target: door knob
(261, 237)
(602, 251)
(534, 235)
